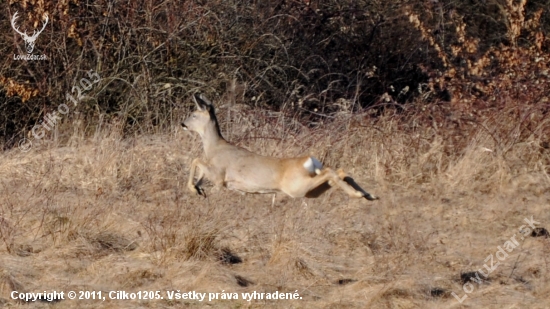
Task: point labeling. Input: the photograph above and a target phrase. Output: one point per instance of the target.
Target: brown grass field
(106, 213)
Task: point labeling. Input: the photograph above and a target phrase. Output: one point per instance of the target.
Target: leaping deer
(29, 40)
(239, 169)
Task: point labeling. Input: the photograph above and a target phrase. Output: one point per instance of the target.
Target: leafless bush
(309, 57)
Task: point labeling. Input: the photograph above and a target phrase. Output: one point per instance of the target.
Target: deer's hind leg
(335, 180)
(351, 182)
(316, 185)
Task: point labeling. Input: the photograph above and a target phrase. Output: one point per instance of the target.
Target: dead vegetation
(111, 213)
(307, 58)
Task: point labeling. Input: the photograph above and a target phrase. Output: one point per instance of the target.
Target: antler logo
(29, 40)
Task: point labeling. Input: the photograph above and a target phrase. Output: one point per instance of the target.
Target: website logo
(30, 40)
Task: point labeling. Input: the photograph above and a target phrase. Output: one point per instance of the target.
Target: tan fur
(239, 169)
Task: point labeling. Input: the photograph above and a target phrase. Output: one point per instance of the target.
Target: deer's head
(203, 118)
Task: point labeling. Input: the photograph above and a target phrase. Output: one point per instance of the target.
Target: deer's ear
(201, 102)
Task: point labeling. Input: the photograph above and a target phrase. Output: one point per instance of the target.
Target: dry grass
(105, 213)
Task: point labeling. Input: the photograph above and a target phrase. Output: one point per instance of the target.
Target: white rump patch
(313, 166)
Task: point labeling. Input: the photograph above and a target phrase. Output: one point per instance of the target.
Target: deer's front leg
(195, 187)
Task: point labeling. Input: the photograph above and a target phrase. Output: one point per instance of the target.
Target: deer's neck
(211, 138)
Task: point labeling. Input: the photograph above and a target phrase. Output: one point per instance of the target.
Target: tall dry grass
(107, 212)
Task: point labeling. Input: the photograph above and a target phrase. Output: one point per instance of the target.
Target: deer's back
(253, 173)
